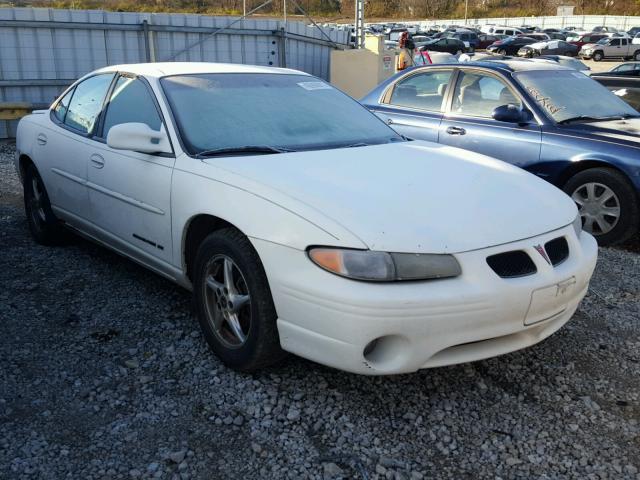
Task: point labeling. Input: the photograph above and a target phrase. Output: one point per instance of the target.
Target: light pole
(466, 9)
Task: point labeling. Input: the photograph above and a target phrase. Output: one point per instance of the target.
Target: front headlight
(383, 266)
(577, 225)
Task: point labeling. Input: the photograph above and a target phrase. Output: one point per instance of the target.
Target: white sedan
(301, 222)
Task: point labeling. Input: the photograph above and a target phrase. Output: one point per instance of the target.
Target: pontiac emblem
(542, 253)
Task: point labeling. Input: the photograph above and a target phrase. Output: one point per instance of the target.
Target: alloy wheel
(227, 301)
(36, 201)
(598, 206)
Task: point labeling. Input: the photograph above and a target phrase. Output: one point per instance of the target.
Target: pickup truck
(620, 47)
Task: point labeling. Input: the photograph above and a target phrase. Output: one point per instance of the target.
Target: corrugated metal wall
(43, 50)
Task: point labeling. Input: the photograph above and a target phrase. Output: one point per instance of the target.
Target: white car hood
(415, 197)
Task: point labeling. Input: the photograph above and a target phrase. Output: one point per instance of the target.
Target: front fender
(199, 188)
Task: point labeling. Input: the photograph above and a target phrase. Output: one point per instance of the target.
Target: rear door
(413, 105)
(130, 192)
(468, 121)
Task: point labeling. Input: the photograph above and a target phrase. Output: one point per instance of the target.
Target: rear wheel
(598, 56)
(636, 56)
(502, 51)
(45, 228)
(233, 302)
(607, 204)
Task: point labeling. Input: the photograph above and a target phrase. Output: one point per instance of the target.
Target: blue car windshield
(289, 112)
(565, 94)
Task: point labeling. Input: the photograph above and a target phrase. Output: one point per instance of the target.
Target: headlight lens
(382, 266)
(577, 225)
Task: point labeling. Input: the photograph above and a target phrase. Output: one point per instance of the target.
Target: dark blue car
(550, 120)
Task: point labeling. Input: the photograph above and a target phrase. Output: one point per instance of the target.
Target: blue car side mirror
(511, 114)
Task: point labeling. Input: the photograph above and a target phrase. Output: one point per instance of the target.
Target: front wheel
(607, 204)
(636, 56)
(598, 56)
(502, 51)
(45, 228)
(233, 302)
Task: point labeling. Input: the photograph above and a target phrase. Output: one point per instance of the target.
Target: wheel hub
(598, 206)
(227, 301)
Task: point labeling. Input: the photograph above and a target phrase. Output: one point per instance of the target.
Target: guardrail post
(149, 47)
(282, 47)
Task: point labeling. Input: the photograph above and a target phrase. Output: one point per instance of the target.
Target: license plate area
(549, 302)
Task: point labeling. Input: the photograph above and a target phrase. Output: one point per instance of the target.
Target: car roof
(164, 69)
(513, 65)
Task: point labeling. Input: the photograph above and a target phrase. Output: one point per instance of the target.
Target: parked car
(614, 47)
(449, 45)
(540, 37)
(628, 69)
(626, 88)
(469, 38)
(604, 29)
(570, 62)
(587, 38)
(500, 30)
(510, 45)
(551, 120)
(432, 58)
(485, 39)
(636, 39)
(309, 243)
(633, 31)
(553, 47)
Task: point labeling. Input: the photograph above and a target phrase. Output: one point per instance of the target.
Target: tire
(502, 51)
(624, 199)
(598, 56)
(256, 344)
(45, 228)
(636, 56)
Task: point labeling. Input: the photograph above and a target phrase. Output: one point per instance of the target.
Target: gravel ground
(105, 375)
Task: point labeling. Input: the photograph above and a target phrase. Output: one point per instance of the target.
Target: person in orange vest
(405, 57)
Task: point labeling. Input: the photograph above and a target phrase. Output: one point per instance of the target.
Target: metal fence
(44, 50)
(586, 22)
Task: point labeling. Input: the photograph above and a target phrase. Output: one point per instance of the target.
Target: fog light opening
(386, 353)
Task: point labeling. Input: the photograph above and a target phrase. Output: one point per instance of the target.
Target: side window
(86, 102)
(60, 110)
(624, 41)
(615, 42)
(478, 94)
(424, 91)
(131, 101)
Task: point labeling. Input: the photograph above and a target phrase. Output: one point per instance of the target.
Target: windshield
(602, 41)
(565, 94)
(291, 112)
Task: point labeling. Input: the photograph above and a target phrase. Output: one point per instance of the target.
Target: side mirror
(512, 114)
(138, 137)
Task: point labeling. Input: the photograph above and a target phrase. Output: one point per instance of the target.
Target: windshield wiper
(587, 118)
(248, 149)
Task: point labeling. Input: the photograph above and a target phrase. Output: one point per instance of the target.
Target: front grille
(512, 264)
(557, 250)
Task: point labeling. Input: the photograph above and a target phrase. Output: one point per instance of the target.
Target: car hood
(415, 197)
(619, 131)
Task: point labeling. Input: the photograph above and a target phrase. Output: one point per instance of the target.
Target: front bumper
(416, 325)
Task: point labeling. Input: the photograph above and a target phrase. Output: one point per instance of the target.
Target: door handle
(456, 131)
(96, 160)
(41, 139)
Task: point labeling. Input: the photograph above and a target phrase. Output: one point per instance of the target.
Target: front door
(468, 124)
(130, 192)
(61, 148)
(413, 106)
